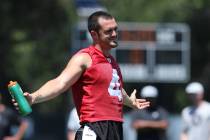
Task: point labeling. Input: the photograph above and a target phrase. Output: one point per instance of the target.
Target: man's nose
(114, 33)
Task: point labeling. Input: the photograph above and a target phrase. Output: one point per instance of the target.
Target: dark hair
(93, 20)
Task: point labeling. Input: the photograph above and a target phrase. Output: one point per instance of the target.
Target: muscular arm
(67, 78)
(138, 124)
(126, 99)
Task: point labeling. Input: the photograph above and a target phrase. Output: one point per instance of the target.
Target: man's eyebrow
(111, 29)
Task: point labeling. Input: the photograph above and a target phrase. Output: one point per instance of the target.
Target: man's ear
(94, 35)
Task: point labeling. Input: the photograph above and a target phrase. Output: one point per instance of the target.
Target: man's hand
(133, 102)
(138, 103)
(28, 98)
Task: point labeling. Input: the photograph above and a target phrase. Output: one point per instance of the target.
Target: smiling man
(96, 83)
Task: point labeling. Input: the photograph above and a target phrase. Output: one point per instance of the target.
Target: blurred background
(163, 43)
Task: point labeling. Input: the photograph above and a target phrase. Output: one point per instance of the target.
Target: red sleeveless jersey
(98, 93)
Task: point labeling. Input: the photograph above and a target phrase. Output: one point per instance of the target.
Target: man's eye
(115, 29)
(109, 31)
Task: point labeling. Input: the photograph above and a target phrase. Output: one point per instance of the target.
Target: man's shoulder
(206, 106)
(88, 49)
(84, 52)
(206, 103)
(82, 60)
(186, 110)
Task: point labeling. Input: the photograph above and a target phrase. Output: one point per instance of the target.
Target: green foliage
(34, 40)
(154, 10)
(181, 100)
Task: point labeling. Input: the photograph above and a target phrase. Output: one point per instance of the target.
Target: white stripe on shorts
(88, 134)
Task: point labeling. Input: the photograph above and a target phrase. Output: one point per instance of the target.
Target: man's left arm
(20, 132)
(209, 131)
(133, 102)
(22, 129)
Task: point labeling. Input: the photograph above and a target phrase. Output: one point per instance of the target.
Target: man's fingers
(140, 100)
(25, 93)
(146, 103)
(15, 104)
(143, 105)
(13, 101)
(133, 94)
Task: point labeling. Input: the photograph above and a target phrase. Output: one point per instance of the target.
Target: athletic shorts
(101, 130)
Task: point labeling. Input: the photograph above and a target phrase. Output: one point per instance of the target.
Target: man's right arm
(71, 134)
(183, 136)
(138, 124)
(185, 127)
(76, 66)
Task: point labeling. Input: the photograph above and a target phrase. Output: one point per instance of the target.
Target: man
(196, 117)
(9, 119)
(151, 123)
(73, 124)
(96, 83)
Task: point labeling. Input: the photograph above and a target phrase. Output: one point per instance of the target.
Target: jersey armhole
(88, 53)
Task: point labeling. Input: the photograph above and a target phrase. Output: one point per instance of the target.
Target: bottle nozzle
(12, 83)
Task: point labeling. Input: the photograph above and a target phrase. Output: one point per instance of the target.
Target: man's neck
(198, 103)
(106, 52)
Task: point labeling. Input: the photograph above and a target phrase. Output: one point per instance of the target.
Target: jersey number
(114, 86)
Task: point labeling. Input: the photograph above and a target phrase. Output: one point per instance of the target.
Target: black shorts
(101, 130)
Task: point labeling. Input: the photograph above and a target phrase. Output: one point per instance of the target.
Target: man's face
(195, 98)
(107, 34)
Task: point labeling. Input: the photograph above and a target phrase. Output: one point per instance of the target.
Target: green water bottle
(17, 94)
